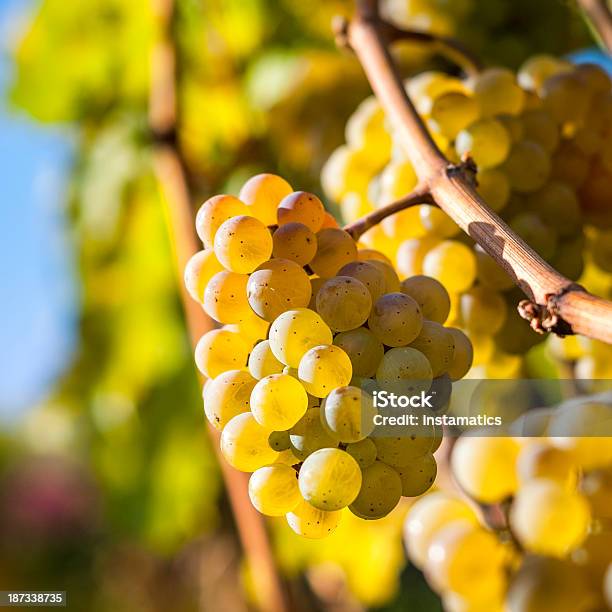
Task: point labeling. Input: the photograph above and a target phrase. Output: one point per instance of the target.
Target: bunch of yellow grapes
(309, 318)
(549, 481)
(542, 143)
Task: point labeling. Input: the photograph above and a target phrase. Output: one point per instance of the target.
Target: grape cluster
(552, 486)
(309, 317)
(541, 140)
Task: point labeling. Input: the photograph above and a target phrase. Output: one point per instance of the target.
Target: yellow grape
(262, 361)
(329, 479)
(279, 441)
(545, 583)
(301, 207)
(540, 127)
(372, 255)
(344, 303)
(418, 476)
(465, 559)
(437, 344)
(225, 298)
(425, 87)
(364, 452)
(363, 348)
(594, 77)
(514, 126)
(329, 221)
(565, 97)
(392, 282)
(226, 396)
(404, 370)
(496, 92)
(295, 332)
(213, 213)
(427, 517)
(381, 489)
(401, 452)
(537, 69)
(396, 319)
(251, 327)
(570, 165)
(220, 350)
(485, 467)
(558, 207)
(335, 248)
(278, 402)
(548, 519)
(244, 444)
(354, 206)
(309, 522)
(348, 414)
(483, 311)
(486, 141)
(411, 254)
(370, 275)
(365, 130)
(430, 295)
(243, 243)
(540, 460)
(437, 222)
(396, 180)
(490, 273)
(274, 490)
(276, 286)
(494, 187)
(453, 264)
(294, 241)
(315, 284)
(346, 170)
(452, 112)
(308, 435)
(323, 368)
(263, 193)
(199, 270)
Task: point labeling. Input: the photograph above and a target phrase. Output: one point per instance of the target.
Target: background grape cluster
(309, 318)
(531, 528)
(541, 143)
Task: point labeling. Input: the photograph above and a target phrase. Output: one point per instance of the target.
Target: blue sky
(39, 293)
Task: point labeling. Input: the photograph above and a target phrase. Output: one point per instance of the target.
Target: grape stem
(559, 305)
(599, 17)
(420, 195)
(172, 176)
(446, 46)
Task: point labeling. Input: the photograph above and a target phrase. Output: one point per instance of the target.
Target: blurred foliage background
(109, 488)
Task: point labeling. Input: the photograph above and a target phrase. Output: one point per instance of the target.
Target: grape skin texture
(213, 213)
(335, 248)
(344, 303)
(396, 319)
(437, 344)
(311, 522)
(463, 355)
(225, 298)
(453, 264)
(329, 479)
(418, 476)
(404, 370)
(226, 396)
(294, 241)
(295, 332)
(309, 435)
(301, 207)
(243, 243)
(199, 270)
(363, 348)
(348, 413)
(324, 368)
(219, 350)
(364, 452)
(262, 361)
(380, 492)
(244, 444)
(368, 274)
(274, 490)
(276, 286)
(430, 295)
(278, 401)
(262, 194)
